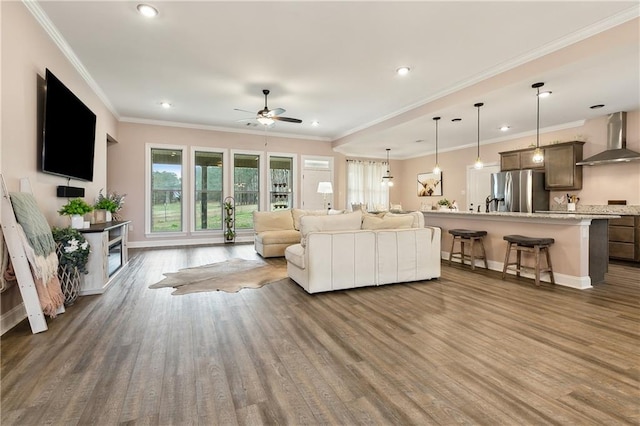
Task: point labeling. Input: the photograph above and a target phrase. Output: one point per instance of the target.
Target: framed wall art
(430, 184)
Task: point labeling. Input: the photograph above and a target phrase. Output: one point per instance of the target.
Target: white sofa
(333, 257)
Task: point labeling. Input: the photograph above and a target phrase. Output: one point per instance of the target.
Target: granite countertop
(599, 209)
(537, 215)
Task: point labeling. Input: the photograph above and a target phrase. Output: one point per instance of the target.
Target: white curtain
(364, 184)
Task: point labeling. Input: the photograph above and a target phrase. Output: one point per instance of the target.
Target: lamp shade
(325, 188)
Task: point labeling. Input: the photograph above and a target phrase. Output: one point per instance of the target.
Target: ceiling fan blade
(245, 119)
(287, 119)
(243, 110)
(276, 111)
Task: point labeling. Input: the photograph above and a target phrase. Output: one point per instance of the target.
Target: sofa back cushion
(298, 213)
(418, 218)
(279, 220)
(338, 222)
(387, 222)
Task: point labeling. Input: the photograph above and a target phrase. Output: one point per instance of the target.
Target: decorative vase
(69, 280)
(108, 216)
(77, 221)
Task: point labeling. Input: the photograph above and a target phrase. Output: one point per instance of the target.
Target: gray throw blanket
(37, 233)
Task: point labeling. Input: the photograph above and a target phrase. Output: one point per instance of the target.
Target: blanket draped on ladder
(40, 249)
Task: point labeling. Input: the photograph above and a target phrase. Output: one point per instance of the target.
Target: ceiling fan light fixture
(265, 121)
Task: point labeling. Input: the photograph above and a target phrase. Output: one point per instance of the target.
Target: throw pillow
(298, 213)
(387, 222)
(332, 211)
(340, 222)
(418, 218)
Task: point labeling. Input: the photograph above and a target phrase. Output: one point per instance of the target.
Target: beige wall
(600, 183)
(26, 51)
(126, 161)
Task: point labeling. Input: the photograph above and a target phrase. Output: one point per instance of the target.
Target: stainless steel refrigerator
(518, 191)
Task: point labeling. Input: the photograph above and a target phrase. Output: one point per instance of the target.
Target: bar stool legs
(466, 236)
(521, 244)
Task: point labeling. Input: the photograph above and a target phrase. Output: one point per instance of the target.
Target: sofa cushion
(295, 255)
(287, 236)
(278, 220)
(418, 218)
(334, 211)
(339, 222)
(387, 222)
(298, 213)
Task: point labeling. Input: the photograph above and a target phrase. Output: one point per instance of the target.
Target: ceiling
(335, 62)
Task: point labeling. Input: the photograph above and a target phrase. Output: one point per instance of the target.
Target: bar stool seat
(535, 245)
(472, 238)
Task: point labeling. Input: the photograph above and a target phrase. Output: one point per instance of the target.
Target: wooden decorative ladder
(19, 260)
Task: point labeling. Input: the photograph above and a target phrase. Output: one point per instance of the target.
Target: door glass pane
(246, 191)
(166, 190)
(281, 175)
(208, 187)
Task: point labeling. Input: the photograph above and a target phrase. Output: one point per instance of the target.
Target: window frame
(147, 190)
(192, 186)
(261, 174)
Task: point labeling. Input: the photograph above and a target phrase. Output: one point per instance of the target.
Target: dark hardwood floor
(468, 348)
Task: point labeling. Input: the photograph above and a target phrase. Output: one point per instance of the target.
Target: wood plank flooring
(468, 349)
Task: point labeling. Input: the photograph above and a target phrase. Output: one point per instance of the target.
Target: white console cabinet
(108, 242)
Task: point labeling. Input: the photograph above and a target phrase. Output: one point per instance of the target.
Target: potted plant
(76, 209)
(444, 204)
(229, 226)
(73, 254)
(111, 203)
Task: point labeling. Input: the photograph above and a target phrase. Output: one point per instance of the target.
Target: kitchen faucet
(490, 200)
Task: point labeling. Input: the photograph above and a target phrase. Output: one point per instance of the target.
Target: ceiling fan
(268, 116)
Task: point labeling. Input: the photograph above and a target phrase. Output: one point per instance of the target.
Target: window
(246, 188)
(208, 186)
(364, 184)
(165, 192)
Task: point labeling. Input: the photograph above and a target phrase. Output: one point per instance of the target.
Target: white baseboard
(12, 318)
(580, 283)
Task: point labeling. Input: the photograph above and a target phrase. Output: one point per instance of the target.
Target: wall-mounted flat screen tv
(69, 133)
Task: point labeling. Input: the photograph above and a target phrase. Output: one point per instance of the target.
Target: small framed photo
(430, 184)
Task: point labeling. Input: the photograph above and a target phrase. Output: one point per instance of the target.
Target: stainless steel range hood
(616, 144)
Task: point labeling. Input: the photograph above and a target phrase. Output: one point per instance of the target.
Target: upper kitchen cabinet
(518, 160)
(561, 172)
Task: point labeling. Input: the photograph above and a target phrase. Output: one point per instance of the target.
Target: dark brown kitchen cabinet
(561, 172)
(519, 159)
(624, 238)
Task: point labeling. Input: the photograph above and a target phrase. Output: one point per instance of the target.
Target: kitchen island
(579, 255)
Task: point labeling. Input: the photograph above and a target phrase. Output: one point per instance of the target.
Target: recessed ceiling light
(544, 94)
(456, 119)
(315, 123)
(596, 106)
(504, 128)
(165, 104)
(403, 70)
(146, 10)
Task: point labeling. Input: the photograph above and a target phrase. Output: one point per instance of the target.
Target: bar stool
(471, 237)
(530, 245)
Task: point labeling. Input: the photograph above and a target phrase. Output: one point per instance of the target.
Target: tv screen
(69, 133)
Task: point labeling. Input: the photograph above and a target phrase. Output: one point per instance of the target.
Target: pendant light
(388, 179)
(538, 155)
(478, 164)
(436, 168)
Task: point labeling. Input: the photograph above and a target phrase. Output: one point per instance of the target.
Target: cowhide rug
(229, 276)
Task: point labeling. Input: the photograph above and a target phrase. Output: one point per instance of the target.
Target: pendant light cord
(538, 119)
